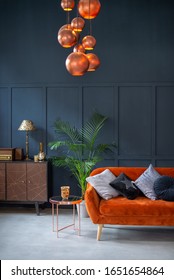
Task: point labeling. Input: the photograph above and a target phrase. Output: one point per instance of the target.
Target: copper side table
(72, 200)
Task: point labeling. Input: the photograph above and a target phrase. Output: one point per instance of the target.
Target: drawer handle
(29, 181)
(22, 181)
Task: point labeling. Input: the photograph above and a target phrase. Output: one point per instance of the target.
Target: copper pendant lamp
(78, 24)
(77, 64)
(89, 9)
(89, 42)
(68, 26)
(67, 37)
(79, 48)
(67, 5)
(94, 62)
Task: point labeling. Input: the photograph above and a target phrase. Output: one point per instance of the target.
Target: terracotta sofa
(141, 211)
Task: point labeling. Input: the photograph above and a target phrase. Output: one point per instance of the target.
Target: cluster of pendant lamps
(79, 61)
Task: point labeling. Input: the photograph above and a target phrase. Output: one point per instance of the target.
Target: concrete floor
(26, 236)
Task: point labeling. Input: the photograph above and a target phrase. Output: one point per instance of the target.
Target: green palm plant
(79, 148)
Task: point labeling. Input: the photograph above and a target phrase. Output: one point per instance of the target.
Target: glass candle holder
(65, 191)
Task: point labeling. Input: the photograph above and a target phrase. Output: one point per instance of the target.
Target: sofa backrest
(134, 172)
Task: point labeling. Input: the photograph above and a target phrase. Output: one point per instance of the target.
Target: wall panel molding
(140, 119)
(135, 120)
(164, 120)
(5, 117)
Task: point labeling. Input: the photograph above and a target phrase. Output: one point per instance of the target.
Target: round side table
(72, 200)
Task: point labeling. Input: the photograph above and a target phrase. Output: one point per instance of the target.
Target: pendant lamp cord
(90, 23)
(77, 18)
(67, 15)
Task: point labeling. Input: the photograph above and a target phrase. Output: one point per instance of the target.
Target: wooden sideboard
(24, 181)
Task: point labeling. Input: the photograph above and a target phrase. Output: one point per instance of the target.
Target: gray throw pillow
(146, 182)
(101, 183)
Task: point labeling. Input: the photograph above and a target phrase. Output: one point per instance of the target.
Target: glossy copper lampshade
(94, 61)
(79, 48)
(88, 42)
(67, 37)
(77, 63)
(89, 9)
(78, 24)
(67, 5)
(65, 26)
(27, 126)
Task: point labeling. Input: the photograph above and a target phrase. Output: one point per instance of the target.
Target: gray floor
(24, 235)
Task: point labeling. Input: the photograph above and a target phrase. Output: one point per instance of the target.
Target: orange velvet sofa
(141, 211)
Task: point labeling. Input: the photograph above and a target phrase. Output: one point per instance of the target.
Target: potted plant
(79, 148)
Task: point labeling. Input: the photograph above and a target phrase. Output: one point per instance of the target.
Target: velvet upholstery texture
(121, 211)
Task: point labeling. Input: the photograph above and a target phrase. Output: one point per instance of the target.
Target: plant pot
(83, 211)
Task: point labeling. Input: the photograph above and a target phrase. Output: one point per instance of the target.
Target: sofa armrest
(92, 200)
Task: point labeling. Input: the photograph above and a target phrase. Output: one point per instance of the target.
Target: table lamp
(27, 126)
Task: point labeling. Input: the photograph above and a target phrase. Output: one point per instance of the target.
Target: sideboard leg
(37, 208)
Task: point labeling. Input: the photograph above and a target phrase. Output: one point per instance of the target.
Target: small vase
(41, 154)
(65, 191)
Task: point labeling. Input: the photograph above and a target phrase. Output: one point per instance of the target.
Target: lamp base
(27, 158)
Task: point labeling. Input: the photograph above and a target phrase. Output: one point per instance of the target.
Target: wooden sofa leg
(100, 226)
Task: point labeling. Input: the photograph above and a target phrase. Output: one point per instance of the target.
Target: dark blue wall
(134, 85)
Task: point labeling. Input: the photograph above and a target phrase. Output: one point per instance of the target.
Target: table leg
(74, 215)
(53, 216)
(57, 219)
(79, 219)
(55, 226)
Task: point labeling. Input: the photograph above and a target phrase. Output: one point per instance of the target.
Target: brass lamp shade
(88, 42)
(89, 9)
(67, 5)
(94, 62)
(77, 63)
(27, 126)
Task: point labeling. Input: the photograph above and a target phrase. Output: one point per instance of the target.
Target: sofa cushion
(140, 207)
(146, 182)
(164, 188)
(125, 186)
(101, 184)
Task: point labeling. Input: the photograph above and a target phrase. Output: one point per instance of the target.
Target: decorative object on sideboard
(19, 154)
(27, 125)
(77, 62)
(7, 154)
(36, 158)
(41, 154)
(11, 154)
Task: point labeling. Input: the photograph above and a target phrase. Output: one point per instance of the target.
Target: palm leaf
(92, 128)
(65, 131)
(57, 144)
